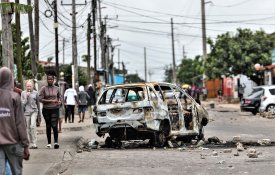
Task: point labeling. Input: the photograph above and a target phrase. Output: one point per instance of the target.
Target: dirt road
(225, 123)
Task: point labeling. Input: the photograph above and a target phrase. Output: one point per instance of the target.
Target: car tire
(109, 142)
(160, 137)
(270, 108)
(254, 112)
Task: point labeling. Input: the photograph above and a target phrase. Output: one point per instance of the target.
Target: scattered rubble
(200, 143)
(264, 142)
(236, 154)
(214, 153)
(236, 138)
(239, 146)
(252, 153)
(267, 115)
(214, 140)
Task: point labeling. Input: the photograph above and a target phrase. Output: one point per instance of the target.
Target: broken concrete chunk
(252, 153)
(214, 153)
(239, 146)
(79, 151)
(214, 140)
(236, 138)
(227, 151)
(236, 154)
(221, 162)
(200, 143)
(264, 142)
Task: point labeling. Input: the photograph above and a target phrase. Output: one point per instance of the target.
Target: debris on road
(264, 142)
(252, 153)
(200, 143)
(239, 146)
(236, 154)
(215, 153)
(214, 140)
(236, 138)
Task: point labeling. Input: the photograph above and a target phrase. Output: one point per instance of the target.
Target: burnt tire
(108, 142)
(159, 138)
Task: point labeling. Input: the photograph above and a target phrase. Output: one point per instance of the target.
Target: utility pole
(145, 65)
(33, 63)
(173, 53)
(7, 47)
(36, 29)
(56, 40)
(203, 34)
(74, 43)
(74, 48)
(89, 48)
(118, 58)
(18, 46)
(183, 52)
(94, 37)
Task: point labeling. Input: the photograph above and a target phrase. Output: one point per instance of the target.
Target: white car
(267, 98)
(155, 111)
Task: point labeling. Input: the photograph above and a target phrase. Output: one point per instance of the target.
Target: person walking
(50, 97)
(13, 133)
(92, 100)
(83, 98)
(30, 101)
(70, 100)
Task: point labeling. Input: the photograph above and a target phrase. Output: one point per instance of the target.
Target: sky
(134, 25)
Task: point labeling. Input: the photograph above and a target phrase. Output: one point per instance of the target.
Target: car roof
(140, 84)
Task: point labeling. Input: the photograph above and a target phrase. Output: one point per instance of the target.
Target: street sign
(273, 56)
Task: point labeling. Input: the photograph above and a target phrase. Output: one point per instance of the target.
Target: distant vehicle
(252, 102)
(154, 111)
(267, 99)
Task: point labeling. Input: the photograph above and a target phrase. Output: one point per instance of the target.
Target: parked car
(252, 102)
(155, 111)
(267, 99)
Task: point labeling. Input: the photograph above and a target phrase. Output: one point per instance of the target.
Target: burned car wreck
(155, 111)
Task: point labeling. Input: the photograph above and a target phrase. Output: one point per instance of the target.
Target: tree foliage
(67, 69)
(133, 78)
(237, 54)
(190, 71)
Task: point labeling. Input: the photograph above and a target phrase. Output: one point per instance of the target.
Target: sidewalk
(52, 161)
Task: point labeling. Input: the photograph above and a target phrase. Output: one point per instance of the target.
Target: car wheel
(108, 142)
(159, 138)
(270, 108)
(254, 112)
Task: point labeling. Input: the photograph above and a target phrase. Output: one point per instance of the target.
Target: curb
(62, 166)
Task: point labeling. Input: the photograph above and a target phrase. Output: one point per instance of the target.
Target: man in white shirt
(70, 99)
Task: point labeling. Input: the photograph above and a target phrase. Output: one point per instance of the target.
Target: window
(153, 95)
(272, 91)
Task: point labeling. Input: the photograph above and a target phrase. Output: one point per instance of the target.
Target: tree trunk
(36, 29)
(33, 64)
(18, 47)
(7, 47)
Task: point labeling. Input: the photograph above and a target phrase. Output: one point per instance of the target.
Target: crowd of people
(20, 115)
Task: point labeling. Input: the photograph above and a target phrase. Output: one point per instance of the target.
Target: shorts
(82, 108)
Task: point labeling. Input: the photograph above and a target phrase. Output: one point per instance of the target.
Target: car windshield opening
(122, 94)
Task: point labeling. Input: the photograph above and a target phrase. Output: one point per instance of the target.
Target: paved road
(226, 121)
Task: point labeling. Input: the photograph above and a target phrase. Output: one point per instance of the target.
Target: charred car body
(154, 111)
